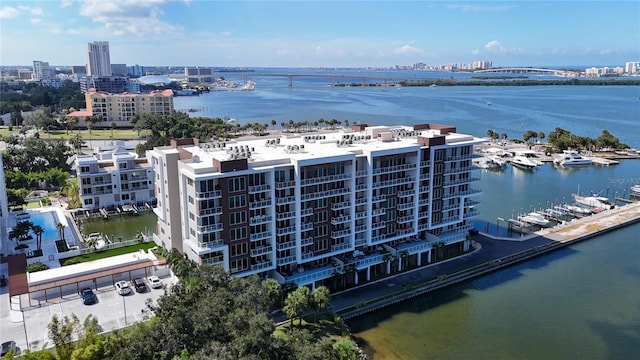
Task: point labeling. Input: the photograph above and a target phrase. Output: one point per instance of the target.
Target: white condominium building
(99, 60)
(41, 71)
(332, 208)
(114, 176)
(120, 108)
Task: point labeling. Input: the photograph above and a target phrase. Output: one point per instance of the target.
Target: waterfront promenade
(493, 253)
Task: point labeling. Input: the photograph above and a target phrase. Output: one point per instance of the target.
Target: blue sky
(322, 33)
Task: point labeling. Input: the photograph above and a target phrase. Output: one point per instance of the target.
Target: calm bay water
(582, 302)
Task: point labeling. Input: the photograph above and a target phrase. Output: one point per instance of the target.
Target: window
(238, 217)
(321, 230)
(239, 249)
(122, 165)
(236, 184)
(125, 196)
(320, 216)
(239, 265)
(237, 201)
(86, 181)
(88, 202)
(238, 234)
(190, 182)
(190, 199)
(84, 169)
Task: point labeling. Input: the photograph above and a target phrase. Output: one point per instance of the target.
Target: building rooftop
(291, 148)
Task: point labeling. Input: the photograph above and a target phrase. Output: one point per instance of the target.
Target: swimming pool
(49, 222)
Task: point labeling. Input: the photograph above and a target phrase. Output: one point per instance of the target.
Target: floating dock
(603, 161)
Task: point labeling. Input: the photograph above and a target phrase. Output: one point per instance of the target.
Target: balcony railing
(208, 194)
(259, 188)
(287, 230)
(388, 169)
(323, 179)
(211, 244)
(256, 220)
(260, 236)
(405, 219)
(261, 266)
(323, 194)
(406, 193)
(394, 182)
(209, 228)
(287, 260)
(285, 184)
(306, 212)
(216, 260)
(262, 250)
(406, 206)
(340, 247)
(306, 226)
(306, 241)
(361, 215)
(285, 200)
(211, 211)
(286, 245)
(260, 204)
(287, 215)
(340, 219)
(340, 205)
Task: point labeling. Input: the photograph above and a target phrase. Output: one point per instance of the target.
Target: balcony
(209, 194)
(306, 212)
(360, 228)
(259, 188)
(101, 182)
(211, 211)
(340, 219)
(324, 179)
(257, 220)
(285, 185)
(361, 215)
(203, 229)
(361, 242)
(378, 198)
(425, 163)
(211, 244)
(362, 173)
(406, 219)
(341, 205)
(471, 214)
(262, 250)
(287, 230)
(287, 245)
(460, 181)
(324, 194)
(287, 215)
(306, 226)
(394, 182)
(340, 233)
(261, 236)
(462, 193)
(260, 204)
(376, 225)
(287, 260)
(406, 206)
(216, 260)
(340, 247)
(388, 169)
(285, 200)
(406, 193)
(459, 169)
(261, 266)
(361, 187)
(377, 212)
(306, 241)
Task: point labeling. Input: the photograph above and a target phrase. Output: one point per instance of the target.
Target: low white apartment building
(330, 209)
(114, 176)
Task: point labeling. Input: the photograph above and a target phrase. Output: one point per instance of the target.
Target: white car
(154, 282)
(122, 287)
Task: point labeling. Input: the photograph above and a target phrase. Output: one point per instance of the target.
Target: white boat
(578, 209)
(524, 162)
(500, 162)
(635, 190)
(594, 202)
(572, 158)
(534, 218)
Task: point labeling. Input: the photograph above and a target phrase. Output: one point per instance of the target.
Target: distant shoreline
(489, 82)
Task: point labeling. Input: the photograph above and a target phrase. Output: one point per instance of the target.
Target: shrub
(37, 266)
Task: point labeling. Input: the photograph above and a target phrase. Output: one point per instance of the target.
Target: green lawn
(118, 134)
(326, 324)
(107, 253)
(33, 205)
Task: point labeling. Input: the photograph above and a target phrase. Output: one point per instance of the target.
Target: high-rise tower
(99, 61)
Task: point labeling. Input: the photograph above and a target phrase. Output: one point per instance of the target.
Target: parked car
(154, 282)
(139, 284)
(122, 287)
(8, 346)
(88, 297)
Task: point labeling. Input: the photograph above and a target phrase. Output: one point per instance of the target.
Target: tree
(297, 303)
(40, 118)
(61, 332)
(273, 124)
(320, 299)
(346, 349)
(112, 125)
(540, 135)
(38, 230)
(60, 227)
(77, 142)
(91, 121)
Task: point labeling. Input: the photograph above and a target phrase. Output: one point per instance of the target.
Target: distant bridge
(386, 81)
(527, 70)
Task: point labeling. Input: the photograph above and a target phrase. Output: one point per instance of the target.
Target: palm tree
(60, 227)
(273, 123)
(297, 303)
(320, 300)
(38, 230)
(112, 125)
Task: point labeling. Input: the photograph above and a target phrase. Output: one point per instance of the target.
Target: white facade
(114, 176)
(41, 70)
(301, 208)
(98, 59)
(4, 206)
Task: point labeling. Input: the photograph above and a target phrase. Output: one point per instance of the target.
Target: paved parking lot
(112, 310)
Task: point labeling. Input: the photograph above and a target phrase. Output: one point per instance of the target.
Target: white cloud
(493, 45)
(226, 33)
(128, 17)
(36, 20)
(9, 12)
(407, 49)
(606, 51)
(475, 52)
(32, 11)
(479, 8)
(318, 50)
(65, 3)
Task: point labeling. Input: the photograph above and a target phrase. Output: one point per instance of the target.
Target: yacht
(524, 162)
(572, 158)
(635, 190)
(534, 219)
(594, 202)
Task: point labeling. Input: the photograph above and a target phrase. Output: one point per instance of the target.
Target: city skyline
(322, 34)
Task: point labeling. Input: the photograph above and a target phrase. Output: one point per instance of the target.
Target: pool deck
(48, 247)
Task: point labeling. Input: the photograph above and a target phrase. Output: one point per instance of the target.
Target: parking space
(112, 310)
